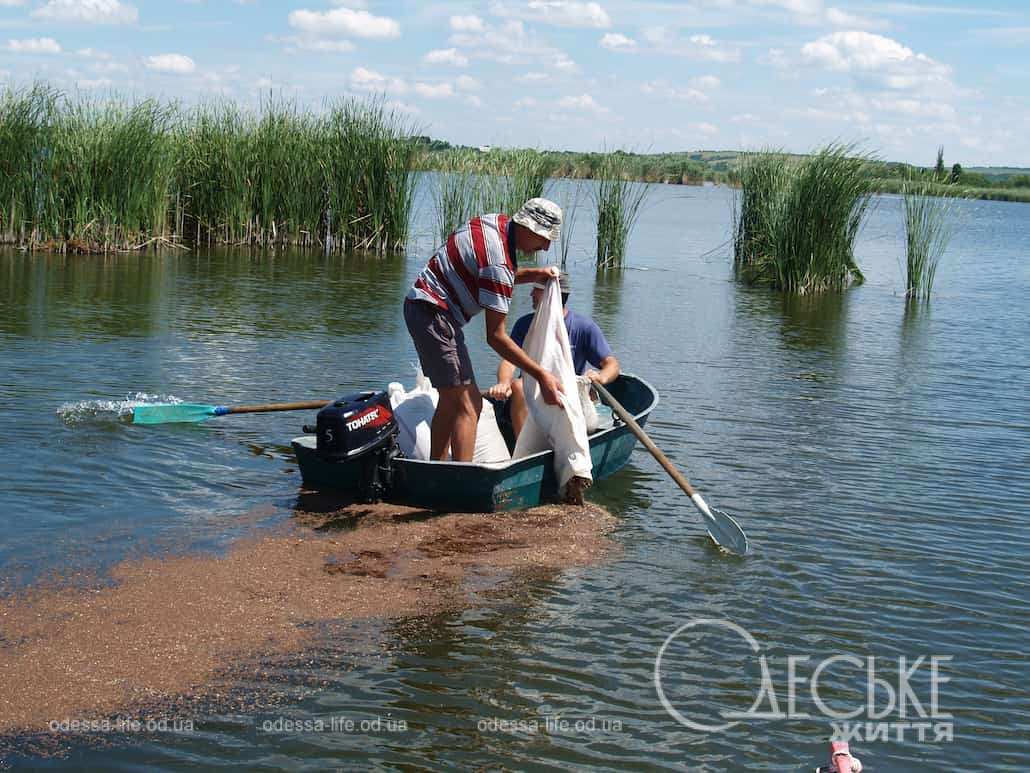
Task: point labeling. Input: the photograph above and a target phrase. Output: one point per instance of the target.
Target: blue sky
(650, 75)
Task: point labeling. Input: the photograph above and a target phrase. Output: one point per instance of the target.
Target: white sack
(549, 426)
(590, 417)
(414, 414)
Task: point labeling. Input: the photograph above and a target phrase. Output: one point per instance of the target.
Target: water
(874, 452)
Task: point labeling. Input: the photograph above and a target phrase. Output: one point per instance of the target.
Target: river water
(875, 452)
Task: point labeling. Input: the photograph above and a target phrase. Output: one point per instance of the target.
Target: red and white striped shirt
(473, 271)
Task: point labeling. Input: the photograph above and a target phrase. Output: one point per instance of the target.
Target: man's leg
(455, 422)
(519, 409)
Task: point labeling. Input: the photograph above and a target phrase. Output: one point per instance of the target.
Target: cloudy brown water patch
(172, 626)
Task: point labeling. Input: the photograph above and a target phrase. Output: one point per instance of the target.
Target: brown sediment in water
(170, 626)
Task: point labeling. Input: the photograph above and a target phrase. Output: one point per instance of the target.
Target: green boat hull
(485, 488)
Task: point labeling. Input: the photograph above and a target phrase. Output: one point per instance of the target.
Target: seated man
(588, 346)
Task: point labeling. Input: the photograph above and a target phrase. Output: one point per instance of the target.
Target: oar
(165, 413)
(723, 530)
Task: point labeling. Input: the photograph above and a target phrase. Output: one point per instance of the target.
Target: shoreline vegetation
(79, 174)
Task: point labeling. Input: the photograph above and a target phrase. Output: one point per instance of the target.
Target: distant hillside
(999, 172)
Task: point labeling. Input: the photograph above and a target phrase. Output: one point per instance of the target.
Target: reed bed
(928, 230)
(89, 176)
(618, 201)
(796, 220)
(471, 183)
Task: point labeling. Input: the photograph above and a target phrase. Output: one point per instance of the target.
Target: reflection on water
(608, 298)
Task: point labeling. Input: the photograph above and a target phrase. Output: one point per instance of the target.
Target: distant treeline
(723, 167)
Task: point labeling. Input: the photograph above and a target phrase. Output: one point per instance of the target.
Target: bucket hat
(541, 216)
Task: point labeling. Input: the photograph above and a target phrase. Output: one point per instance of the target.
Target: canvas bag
(548, 426)
(413, 411)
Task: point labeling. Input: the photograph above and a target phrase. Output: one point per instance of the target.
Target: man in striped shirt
(474, 271)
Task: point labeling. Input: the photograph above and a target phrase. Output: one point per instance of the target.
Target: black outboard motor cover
(355, 425)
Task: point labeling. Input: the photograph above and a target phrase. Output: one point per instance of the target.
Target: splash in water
(90, 411)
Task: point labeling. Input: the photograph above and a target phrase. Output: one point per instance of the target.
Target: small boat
(353, 450)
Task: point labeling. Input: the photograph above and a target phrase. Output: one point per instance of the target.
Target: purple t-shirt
(585, 337)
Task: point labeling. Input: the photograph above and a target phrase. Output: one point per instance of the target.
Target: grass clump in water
(796, 220)
(927, 233)
(618, 201)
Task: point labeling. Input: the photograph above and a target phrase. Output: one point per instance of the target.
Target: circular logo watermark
(889, 699)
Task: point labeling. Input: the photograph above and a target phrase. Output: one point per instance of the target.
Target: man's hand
(500, 391)
(550, 388)
(594, 377)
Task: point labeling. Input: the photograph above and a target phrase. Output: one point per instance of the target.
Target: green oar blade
(165, 413)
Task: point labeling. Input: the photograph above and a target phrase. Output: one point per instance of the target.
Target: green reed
(84, 174)
(619, 201)
(927, 233)
(796, 220)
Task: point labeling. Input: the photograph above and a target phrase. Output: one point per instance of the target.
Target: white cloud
(615, 41)
(177, 64)
(705, 82)
(402, 107)
(324, 46)
(467, 83)
(446, 56)
(707, 129)
(745, 118)
(345, 22)
(92, 53)
(358, 4)
(94, 83)
(11, 4)
(814, 13)
(561, 13)
(582, 103)
(34, 46)
(434, 90)
(526, 102)
(776, 57)
(87, 12)
(836, 17)
(370, 80)
(883, 60)
(700, 47)
(666, 90)
(467, 24)
(914, 107)
(510, 43)
(532, 77)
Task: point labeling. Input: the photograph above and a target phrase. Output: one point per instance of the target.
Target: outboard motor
(360, 429)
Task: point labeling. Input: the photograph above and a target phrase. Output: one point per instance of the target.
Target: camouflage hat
(541, 216)
(564, 286)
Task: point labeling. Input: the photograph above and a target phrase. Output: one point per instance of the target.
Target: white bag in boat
(414, 414)
(549, 426)
(590, 417)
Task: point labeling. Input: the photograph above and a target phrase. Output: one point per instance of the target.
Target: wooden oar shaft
(637, 430)
(267, 407)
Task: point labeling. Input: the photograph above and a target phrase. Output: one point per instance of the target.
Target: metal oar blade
(167, 413)
(723, 530)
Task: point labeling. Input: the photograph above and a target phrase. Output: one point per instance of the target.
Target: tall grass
(618, 201)
(458, 194)
(82, 174)
(472, 183)
(796, 220)
(570, 212)
(927, 233)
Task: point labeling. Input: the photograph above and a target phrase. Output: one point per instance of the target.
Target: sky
(899, 78)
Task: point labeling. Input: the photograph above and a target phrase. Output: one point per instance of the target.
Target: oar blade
(727, 532)
(168, 413)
